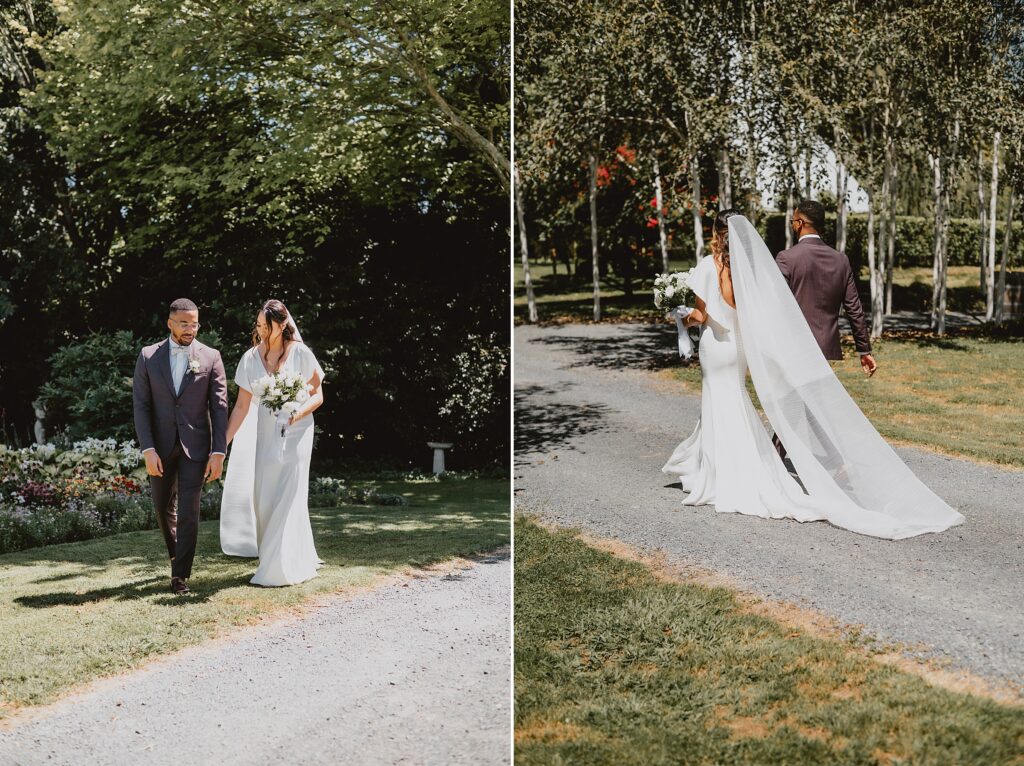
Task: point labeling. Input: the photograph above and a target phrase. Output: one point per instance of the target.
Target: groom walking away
(823, 283)
(181, 419)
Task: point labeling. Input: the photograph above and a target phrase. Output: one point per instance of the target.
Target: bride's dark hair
(274, 311)
(720, 242)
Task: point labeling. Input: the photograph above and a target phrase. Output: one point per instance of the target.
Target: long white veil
(847, 468)
(237, 512)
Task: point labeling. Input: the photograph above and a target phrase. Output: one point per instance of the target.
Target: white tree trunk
(936, 162)
(789, 218)
(1000, 298)
(808, 179)
(876, 284)
(662, 238)
(883, 241)
(990, 277)
(844, 208)
(890, 255)
(724, 180)
(943, 258)
(982, 222)
(754, 200)
(524, 245)
(698, 225)
(593, 237)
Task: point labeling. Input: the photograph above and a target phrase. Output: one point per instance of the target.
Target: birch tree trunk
(993, 196)
(524, 245)
(724, 180)
(698, 226)
(593, 238)
(808, 179)
(936, 163)
(890, 255)
(789, 217)
(662, 238)
(883, 244)
(874, 267)
(844, 208)
(983, 222)
(1000, 297)
(944, 258)
(754, 202)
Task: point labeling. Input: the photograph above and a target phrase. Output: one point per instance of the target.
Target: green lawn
(73, 613)
(616, 666)
(563, 299)
(958, 395)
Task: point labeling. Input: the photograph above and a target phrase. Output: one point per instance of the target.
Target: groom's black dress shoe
(179, 586)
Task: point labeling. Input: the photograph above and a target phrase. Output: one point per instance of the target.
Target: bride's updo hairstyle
(720, 238)
(274, 311)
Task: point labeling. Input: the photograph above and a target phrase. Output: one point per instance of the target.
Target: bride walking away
(848, 475)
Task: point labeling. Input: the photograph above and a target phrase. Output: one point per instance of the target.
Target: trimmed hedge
(913, 239)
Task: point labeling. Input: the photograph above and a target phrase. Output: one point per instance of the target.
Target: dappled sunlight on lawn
(83, 610)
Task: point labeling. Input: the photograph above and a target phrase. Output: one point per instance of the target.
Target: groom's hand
(869, 364)
(154, 466)
(214, 467)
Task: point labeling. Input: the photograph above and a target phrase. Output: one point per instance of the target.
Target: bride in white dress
(848, 474)
(264, 509)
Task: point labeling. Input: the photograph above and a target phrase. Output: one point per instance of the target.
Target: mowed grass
(564, 299)
(616, 666)
(959, 395)
(73, 613)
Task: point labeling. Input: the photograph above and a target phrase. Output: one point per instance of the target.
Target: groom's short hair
(814, 212)
(183, 304)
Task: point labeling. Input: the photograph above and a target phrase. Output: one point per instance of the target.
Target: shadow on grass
(641, 347)
(543, 424)
(378, 538)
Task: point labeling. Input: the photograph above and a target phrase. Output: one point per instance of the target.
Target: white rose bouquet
(672, 290)
(282, 393)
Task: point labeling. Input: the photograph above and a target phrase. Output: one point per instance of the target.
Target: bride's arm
(316, 399)
(698, 316)
(239, 412)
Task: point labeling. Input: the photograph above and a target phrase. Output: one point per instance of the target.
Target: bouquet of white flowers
(282, 393)
(672, 290)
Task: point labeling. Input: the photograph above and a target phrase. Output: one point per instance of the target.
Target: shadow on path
(644, 347)
(544, 424)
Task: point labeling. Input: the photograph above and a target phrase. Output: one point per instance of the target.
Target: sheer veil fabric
(850, 473)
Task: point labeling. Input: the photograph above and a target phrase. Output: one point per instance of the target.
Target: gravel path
(417, 672)
(594, 425)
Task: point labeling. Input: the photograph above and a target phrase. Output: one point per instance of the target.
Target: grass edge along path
(75, 613)
(622, 661)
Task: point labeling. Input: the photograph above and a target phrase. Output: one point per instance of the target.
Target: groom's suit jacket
(196, 415)
(822, 281)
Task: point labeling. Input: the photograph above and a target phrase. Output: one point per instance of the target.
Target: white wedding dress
(264, 509)
(851, 477)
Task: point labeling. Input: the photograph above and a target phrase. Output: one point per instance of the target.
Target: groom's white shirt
(179, 363)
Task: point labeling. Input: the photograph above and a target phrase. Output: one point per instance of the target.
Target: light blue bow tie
(180, 350)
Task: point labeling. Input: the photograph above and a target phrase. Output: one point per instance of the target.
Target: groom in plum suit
(181, 419)
(823, 283)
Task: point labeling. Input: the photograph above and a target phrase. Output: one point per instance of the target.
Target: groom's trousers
(176, 497)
